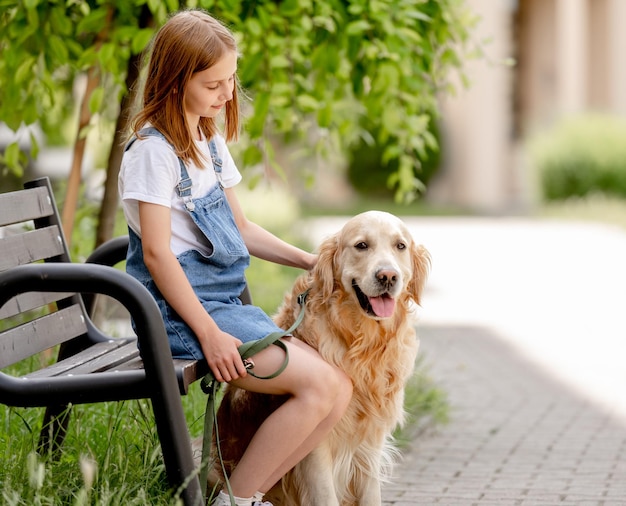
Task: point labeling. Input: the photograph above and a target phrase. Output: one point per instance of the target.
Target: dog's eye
(361, 245)
(401, 245)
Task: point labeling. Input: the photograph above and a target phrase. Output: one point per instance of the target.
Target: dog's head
(375, 260)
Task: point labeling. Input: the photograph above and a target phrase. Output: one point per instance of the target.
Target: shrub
(582, 156)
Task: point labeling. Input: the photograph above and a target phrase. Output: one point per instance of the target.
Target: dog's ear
(420, 258)
(324, 272)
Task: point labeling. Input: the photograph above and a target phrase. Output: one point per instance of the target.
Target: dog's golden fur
(373, 340)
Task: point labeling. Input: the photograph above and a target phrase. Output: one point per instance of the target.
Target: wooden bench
(37, 277)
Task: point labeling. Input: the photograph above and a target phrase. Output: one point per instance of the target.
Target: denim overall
(217, 279)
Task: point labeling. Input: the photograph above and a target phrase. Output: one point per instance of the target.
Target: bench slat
(132, 365)
(187, 371)
(30, 247)
(95, 352)
(29, 301)
(117, 355)
(108, 361)
(24, 205)
(38, 335)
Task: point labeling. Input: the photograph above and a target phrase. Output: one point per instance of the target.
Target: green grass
(362, 203)
(594, 208)
(425, 403)
(111, 455)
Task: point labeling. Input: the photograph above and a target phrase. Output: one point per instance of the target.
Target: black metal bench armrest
(110, 252)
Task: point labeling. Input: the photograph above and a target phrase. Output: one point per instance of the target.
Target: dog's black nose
(387, 277)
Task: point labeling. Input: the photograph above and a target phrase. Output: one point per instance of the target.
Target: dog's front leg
(314, 479)
(366, 477)
(369, 493)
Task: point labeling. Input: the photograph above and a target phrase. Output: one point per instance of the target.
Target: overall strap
(217, 161)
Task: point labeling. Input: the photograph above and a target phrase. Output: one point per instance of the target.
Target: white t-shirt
(150, 172)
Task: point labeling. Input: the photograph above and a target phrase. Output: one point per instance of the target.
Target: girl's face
(210, 89)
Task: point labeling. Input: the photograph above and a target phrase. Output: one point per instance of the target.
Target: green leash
(210, 387)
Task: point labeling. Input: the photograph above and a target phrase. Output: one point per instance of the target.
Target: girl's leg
(319, 394)
(339, 408)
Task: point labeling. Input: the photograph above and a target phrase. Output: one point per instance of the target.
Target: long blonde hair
(190, 41)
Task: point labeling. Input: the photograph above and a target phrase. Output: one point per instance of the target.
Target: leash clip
(302, 297)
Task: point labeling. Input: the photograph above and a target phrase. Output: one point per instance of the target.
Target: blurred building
(570, 57)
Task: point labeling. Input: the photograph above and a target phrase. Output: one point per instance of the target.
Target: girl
(190, 244)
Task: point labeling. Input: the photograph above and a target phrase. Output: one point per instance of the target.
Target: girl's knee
(325, 386)
(341, 381)
(336, 388)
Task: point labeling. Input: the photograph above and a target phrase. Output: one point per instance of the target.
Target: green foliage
(46, 45)
(326, 72)
(335, 73)
(371, 174)
(582, 156)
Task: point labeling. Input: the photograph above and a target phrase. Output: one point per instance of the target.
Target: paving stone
(516, 436)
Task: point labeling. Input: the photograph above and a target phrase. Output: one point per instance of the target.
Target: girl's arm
(265, 245)
(220, 348)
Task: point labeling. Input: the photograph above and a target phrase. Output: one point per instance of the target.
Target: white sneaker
(257, 500)
(223, 500)
(219, 501)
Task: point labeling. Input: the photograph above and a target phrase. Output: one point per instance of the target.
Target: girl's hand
(223, 357)
(311, 261)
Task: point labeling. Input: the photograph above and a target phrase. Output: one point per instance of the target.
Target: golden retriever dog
(359, 315)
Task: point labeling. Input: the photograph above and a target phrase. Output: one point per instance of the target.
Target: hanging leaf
(95, 101)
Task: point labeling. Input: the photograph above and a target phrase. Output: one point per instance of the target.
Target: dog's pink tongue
(383, 306)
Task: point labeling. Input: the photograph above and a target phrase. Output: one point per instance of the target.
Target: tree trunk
(110, 201)
(73, 182)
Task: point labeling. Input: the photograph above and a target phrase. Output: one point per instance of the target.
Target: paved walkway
(523, 327)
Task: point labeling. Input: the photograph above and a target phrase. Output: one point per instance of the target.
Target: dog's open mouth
(381, 306)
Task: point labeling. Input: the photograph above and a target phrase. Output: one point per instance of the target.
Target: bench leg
(54, 429)
(57, 418)
(176, 447)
